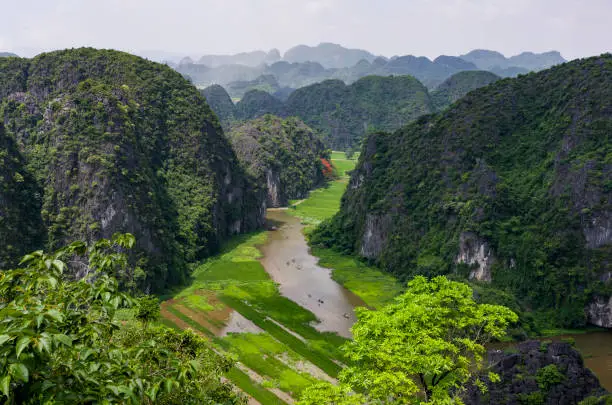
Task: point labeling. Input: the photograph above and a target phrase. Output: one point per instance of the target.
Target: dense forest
(343, 114)
(284, 155)
(509, 186)
(106, 142)
(459, 85)
(479, 211)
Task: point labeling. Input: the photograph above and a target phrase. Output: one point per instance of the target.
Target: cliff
(511, 184)
(120, 144)
(21, 228)
(284, 155)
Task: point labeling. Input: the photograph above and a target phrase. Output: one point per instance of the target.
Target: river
(288, 260)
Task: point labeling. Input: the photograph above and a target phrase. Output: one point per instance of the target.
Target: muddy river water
(288, 260)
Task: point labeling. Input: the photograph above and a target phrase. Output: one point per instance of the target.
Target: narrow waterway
(288, 260)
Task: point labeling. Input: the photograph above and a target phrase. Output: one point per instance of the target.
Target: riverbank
(265, 301)
(373, 286)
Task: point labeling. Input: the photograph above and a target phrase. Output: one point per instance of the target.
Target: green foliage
(283, 154)
(116, 143)
(60, 342)
(326, 393)
(221, 103)
(549, 376)
(430, 339)
(519, 164)
(147, 309)
(344, 113)
(21, 228)
(458, 85)
(257, 103)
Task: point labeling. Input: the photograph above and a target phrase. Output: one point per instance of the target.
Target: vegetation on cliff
(284, 156)
(344, 114)
(21, 228)
(512, 183)
(120, 144)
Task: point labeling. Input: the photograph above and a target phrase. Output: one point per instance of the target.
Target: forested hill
(116, 143)
(458, 85)
(285, 157)
(512, 184)
(342, 114)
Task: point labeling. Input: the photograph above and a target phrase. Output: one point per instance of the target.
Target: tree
(424, 347)
(60, 342)
(148, 309)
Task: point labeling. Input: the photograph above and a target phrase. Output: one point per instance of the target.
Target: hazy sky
(387, 27)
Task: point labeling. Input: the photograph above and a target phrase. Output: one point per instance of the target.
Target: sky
(576, 28)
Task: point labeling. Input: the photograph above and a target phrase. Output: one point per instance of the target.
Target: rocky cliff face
(537, 373)
(21, 228)
(476, 253)
(512, 182)
(120, 144)
(599, 311)
(285, 155)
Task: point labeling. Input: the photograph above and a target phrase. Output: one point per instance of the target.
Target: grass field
(235, 280)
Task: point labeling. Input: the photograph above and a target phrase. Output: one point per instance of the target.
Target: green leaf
(5, 384)
(55, 314)
(4, 339)
(19, 371)
(44, 343)
(59, 265)
(168, 385)
(63, 339)
(22, 343)
(85, 354)
(115, 302)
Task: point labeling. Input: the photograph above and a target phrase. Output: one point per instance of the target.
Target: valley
(262, 299)
(382, 241)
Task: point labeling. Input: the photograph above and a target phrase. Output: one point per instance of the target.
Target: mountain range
(304, 65)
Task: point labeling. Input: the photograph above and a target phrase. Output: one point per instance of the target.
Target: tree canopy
(424, 347)
(60, 341)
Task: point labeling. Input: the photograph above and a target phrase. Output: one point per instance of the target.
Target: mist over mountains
(305, 65)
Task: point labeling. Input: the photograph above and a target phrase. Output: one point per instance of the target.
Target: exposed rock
(521, 164)
(523, 381)
(599, 311)
(375, 235)
(474, 250)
